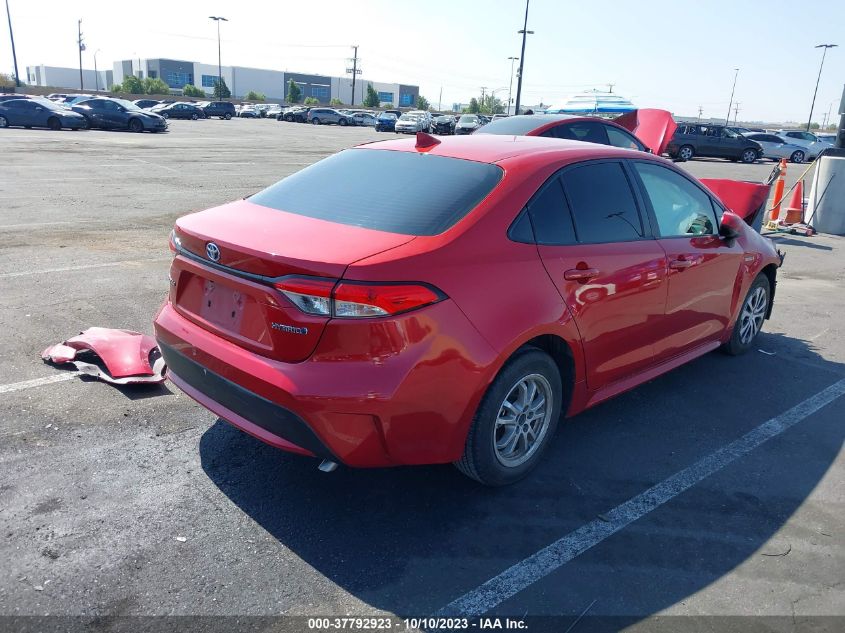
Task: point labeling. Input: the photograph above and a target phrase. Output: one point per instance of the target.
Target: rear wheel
(315, 121)
(342, 122)
(227, 116)
(515, 421)
(797, 157)
(166, 115)
(54, 124)
(194, 116)
(4, 122)
(686, 152)
(748, 156)
(135, 125)
(751, 316)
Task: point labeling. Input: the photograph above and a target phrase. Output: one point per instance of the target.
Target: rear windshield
(398, 192)
(517, 125)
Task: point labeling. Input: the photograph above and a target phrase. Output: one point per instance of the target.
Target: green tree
(422, 103)
(310, 101)
(193, 91)
(473, 108)
(155, 87)
(814, 126)
(294, 92)
(131, 85)
(254, 96)
(371, 100)
(491, 105)
(221, 90)
(336, 102)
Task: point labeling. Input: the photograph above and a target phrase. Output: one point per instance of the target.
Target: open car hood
(653, 127)
(742, 198)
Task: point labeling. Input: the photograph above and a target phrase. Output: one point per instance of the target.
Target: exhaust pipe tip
(327, 466)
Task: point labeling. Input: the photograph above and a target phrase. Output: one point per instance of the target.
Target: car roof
(492, 148)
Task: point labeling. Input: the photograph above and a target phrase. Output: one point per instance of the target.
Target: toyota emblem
(213, 251)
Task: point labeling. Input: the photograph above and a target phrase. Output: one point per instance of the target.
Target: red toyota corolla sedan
(450, 300)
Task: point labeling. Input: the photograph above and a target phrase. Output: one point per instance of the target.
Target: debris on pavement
(120, 357)
(779, 554)
(181, 539)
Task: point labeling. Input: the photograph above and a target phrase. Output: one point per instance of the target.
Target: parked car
(30, 113)
(179, 110)
(145, 104)
(825, 137)
(119, 114)
(426, 117)
(398, 113)
(72, 100)
(444, 124)
(713, 141)
(365, 119)
(410, 123)
(572, 128)
(328, 116)
(297, 114)
(274, 110)
(386, 122)
(9, 97)
(467, 124)
(812, 144)
(248, 112)
(223, 109)
(401, 336)
(775, 147)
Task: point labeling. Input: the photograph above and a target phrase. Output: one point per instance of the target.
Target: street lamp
(813, 105)
(219, 19)
(96, 74)
(525, 32)
(510, 86)
(731, 101)
(12, 37)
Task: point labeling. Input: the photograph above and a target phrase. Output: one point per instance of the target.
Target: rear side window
(397, 192)
(681, 208)
(550, 216)
(602, 203)
(588, 131)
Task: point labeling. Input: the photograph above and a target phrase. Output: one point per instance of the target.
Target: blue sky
(675, 55)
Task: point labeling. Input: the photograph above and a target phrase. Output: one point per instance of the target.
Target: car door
(702, 266)
(597, 248)
(112, 115)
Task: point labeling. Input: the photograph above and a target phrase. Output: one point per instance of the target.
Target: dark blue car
(386, 122)
(38, 113)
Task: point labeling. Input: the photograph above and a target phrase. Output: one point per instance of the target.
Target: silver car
(812, 145)
(410, 124)
(776, 147)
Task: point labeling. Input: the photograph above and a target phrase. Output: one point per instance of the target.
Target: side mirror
(731, 226)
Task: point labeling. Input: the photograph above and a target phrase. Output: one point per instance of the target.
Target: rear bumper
(375, 393)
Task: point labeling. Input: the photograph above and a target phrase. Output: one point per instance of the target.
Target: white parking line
(37, 382)
(544, 562)
(64, 269)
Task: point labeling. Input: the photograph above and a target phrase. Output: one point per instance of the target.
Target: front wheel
(54, 124)
(135, 125)
(515, 421)
(342, 123)
(749, 156)
(797, 156)
(194, 116)
(4, 122)
(315, 121)
(227, 116)
(748, 324)
(165, 115)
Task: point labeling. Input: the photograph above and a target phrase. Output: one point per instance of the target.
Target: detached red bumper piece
(128, 357)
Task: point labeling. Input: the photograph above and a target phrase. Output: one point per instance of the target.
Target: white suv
(809, 141)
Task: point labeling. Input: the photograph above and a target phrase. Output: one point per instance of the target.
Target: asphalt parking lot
(128, 502)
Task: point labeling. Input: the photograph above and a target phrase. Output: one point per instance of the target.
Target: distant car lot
(98, 483)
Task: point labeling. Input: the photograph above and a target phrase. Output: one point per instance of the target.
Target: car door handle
(681, 264)
(580, 274)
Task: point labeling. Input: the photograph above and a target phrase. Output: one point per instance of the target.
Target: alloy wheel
(685, 153)
(4, 122)
(753, 314)
(523, 420)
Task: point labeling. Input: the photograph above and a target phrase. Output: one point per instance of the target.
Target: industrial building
(58, 77)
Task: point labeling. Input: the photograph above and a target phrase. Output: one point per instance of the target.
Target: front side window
(619, 138)
(602, 203)
(681, 208)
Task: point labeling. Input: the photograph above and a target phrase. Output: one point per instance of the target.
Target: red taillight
(355, 300)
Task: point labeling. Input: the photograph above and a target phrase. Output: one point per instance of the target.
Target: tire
(288, 118)
(489, 457)
(315, 121)
(342, 123)
(86, 125)
(748, 156)
(135, 125)
(166, 115)
(54, 124)
(685, 153)
(753, 312)
(195, 116)
(228, 116)
(4, 122)
(797, 157)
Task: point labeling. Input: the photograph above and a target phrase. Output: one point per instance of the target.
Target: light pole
(731, 102)
(813, 104)
(81, 48)
(219, 19)
(12, 37)
(510, 86)
(525, 32)
(96, 74)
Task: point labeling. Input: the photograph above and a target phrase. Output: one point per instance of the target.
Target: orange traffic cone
(779, 185)
(795, 210)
